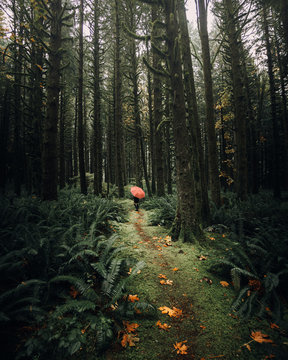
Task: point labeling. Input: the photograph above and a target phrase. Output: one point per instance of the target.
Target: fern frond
(79, 284)
(238, 301)
(78, 306)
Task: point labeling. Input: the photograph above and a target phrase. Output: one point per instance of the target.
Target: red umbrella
(137, 192)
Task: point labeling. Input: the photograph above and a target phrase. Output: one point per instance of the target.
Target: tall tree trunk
(151, 126)
(50, 155)
(157, 113)
(82, 170)
(272, 90)
(284, 109)
(239, 101)
(75, 142)
(210, 116)
(4, 131)
(284, 19)
(97, 127)
(196, 145)
(168, 141)
(18, 161)
(189, 228)
(118, 106)
(62, 143)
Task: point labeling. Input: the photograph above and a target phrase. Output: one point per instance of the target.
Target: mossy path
(203, 322)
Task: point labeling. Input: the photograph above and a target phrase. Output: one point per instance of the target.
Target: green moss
(207, 323)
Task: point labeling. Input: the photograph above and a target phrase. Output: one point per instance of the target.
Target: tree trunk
(151, 127)
(118, 106)
(62, 144)
(50, 155)
(81, 153)
(202, 201)
(275, 127)
(239, 102)
(97, 127)
(157, 113)
(210, 116)
(190, 229)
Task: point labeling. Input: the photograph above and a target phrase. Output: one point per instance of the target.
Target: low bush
(63, 279)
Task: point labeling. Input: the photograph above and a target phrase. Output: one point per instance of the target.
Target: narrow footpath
(193, 319)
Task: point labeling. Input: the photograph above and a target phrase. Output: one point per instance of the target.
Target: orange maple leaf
(171, 312)
(260, 338)
(274, 326)
(129, 339)
(133, 298)
(161, 276)
(130, 327)
(224, 283)
(163, 326)
(73, 292)
(181, 347)
(166, 282)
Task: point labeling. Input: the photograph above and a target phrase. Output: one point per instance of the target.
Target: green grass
(208, 325)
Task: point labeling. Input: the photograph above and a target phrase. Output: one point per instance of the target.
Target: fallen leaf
(163, 326)
(162, 276)
(202, 327)
(129, 339)
(211, 238)
(166, 282)
(255, 285)
(181, 347)
(274, 326)
(224, 283)
(260, 338)
(175, 269)
(133, 298)
(205, 278)
(73, 292)
(171, 312)
(202, 257)
(248, 346)
(130, 327)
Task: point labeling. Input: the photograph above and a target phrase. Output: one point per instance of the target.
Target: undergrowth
(63, 280)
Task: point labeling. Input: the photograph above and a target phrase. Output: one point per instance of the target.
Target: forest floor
(201, 324)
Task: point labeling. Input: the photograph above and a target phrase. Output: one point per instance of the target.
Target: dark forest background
(97, 96)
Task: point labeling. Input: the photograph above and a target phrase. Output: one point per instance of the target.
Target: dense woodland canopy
(97, 96)
(119, 92)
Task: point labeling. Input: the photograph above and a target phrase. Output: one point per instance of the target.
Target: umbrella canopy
(137, 192)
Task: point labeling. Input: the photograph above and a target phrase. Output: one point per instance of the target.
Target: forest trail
(170, 280)
(160, 284)
(193, 318)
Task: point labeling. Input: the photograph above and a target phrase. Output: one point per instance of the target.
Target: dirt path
(200, 324)
(150, 244)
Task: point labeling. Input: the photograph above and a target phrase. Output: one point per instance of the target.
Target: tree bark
(202, 201)
(189, 228)
(210, 116)
(275, 126)
(239, 102)
(50, 154)
(118, 105)
(81, 153)
(157, 113)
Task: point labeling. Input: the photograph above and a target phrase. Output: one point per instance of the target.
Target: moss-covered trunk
(190, 228)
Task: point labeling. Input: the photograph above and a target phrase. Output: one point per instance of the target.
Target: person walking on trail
(138, 194)
(136, 203)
